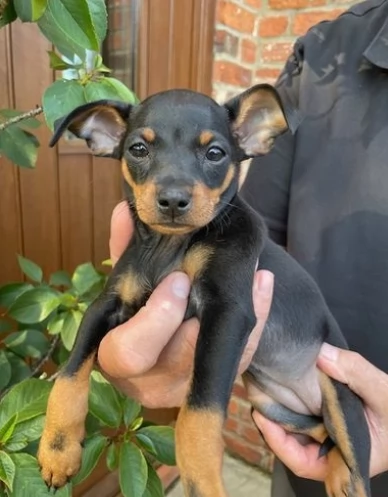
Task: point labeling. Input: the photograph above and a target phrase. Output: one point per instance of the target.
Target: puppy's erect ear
(102, 124)
(258, 117)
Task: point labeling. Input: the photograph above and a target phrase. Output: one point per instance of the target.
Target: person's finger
(302, 460)
(134, 347)
(262, 299)
(358, 373)
(121, 229)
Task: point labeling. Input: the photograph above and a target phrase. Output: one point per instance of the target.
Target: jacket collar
(377, 51)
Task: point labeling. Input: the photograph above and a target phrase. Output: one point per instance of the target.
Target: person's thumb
(351, 368)
(134, 347)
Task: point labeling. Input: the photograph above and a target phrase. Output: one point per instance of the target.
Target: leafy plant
(38, 325)
(77, 29)
(39, 318)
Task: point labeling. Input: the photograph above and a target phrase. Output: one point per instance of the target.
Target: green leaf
(132, 482)
(109, 88)
(85, 277)
(60, 99)
(107, 262)
(162, 439)
(7, 429)
(19, 369)
(154, 486)
(136, 424)
(28, 480)
(27, 343)
(27, 399)
(70, 328)
(131, 410)
(34, 306)
(5, 370)
(19, 146)
(30, 269)
(9, 15)
(94, 447)
(99, 17)
(9, 293)
(31, 122)
(74, 25)
(57, 63)
(30, 10)
(7, 469)
(104, 401)
(112, 457)
(5, 325)
(25, 433)
(60, 278)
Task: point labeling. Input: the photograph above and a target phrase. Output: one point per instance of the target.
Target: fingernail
(329, 352)
(264, 283)
(181, 286)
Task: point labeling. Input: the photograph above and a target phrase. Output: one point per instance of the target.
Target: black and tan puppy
(180, 153)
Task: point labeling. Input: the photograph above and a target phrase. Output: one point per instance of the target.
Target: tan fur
(148, 134)
(60, 450)
(129, 287)
(199, 450)
(196, 259)
(204, 201)
(205, 137)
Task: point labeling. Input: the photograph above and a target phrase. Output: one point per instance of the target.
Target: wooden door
(58, 214)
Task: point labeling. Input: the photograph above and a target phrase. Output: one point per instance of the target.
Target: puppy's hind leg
(346, 424)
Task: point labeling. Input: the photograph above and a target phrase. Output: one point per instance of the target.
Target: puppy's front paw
(59, 456)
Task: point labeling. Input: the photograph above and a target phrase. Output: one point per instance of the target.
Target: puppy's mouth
(172, 228)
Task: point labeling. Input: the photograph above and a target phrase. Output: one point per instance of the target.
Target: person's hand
(369, 383)
(150, 357)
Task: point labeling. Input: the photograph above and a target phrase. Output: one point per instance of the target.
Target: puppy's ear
(257, 117)
(102, 124)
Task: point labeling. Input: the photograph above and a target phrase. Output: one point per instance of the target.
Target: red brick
(235, 17)
(241, 448)
(248, 51)
(232, 74)
(251, 434)
(239, 391)
(304, 21)
(267, 73)
(233, 407)
(232, 425)
(256, 4)
(295, 4)
(276, 52)
(225, 42)
(273, 26)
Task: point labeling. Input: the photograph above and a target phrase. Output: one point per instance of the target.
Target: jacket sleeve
(267, 184)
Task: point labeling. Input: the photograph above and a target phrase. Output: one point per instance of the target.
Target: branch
(21, 117)
(46, 357)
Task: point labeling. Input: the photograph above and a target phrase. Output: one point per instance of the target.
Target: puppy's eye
(139, 150)
(215, 154)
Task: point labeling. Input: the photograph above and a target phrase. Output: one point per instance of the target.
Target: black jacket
(324, 191)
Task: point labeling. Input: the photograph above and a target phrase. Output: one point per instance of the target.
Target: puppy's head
(179, 150)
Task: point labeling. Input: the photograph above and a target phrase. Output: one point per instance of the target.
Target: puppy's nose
(174, 202)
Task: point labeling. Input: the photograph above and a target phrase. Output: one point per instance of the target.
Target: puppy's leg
(346, 424)
(199, 446)
(60, 447)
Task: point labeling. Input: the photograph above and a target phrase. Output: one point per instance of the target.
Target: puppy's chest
(148, 266)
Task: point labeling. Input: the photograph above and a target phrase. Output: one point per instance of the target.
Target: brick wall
(254, 37)
(252, 41)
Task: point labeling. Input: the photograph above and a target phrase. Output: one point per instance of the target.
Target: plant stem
(21, 117)
(46, 357)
